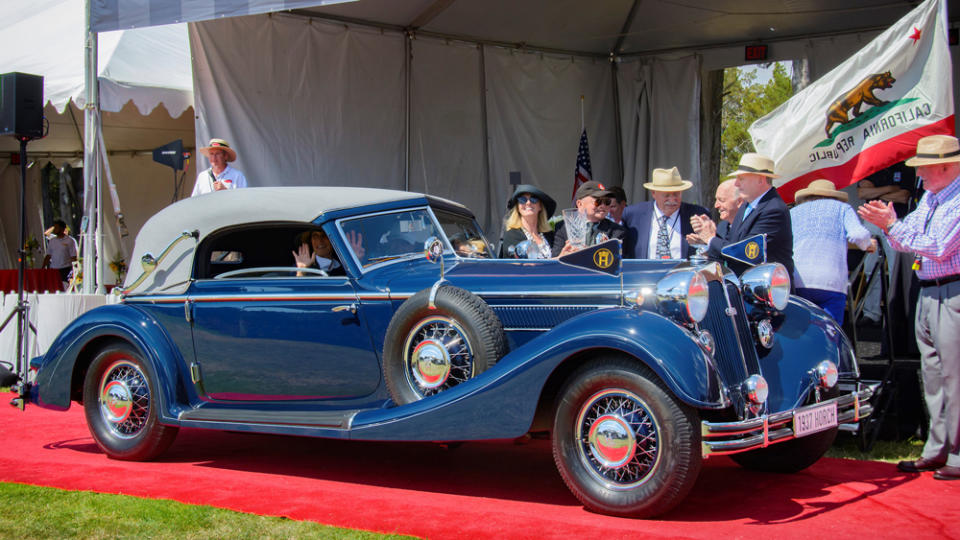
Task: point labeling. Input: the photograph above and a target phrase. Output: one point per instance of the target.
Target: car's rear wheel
(790, 456)
(622, 442)
(428, 350)
(119, 400)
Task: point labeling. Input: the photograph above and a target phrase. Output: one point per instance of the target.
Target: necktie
(663, 239)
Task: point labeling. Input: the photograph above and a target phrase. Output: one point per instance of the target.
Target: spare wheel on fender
(429, 350)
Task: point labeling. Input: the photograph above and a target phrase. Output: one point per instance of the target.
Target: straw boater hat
(935, 149)
(754, 164)
(667, 180)
(219, 144)
(821, 188)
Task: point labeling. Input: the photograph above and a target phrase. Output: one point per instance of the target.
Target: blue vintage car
(638, 374)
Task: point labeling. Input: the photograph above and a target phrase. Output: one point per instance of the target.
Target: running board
(325, 419)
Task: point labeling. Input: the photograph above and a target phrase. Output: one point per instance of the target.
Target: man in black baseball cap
(592, 199)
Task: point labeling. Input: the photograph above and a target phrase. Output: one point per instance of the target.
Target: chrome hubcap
(618, 439)
(431, 364)
(124, 399)
(437, 356)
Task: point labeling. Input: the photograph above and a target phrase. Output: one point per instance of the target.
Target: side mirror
(433, 249)
(148, 262)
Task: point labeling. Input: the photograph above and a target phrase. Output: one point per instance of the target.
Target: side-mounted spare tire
(427, 351)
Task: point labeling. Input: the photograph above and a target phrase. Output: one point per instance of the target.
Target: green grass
(39, 512)
(889, 451)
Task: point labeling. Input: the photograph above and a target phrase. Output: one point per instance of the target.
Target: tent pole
(91, 127)
(408, 55)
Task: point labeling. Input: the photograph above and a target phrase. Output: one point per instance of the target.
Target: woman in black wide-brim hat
(528, 210)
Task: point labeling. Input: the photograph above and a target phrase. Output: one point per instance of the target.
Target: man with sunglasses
(592, 199)
(657, 229)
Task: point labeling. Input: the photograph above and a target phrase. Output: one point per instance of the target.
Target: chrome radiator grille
(736, 355)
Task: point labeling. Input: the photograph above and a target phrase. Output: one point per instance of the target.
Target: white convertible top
(213, 211)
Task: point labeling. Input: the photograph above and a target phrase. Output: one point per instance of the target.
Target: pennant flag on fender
(605, 258)
(751, 250)
(868, 112)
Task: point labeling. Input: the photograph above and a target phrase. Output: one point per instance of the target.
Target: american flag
(582, 173)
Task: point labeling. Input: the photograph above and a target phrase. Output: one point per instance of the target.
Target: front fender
(805, 336)
(501, 402)
(56, 370)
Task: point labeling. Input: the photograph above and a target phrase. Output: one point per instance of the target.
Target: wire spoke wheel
(124, 399)
(120, 401)
(618, 438)
(437, 356)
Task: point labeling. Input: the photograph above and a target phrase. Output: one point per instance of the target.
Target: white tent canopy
(149, 66)
(139, 71)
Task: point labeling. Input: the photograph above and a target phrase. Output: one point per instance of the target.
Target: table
(35, 280)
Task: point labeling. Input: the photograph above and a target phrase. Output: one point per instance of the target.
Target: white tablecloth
(49, 313)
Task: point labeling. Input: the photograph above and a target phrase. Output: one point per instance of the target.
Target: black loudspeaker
(170, 154)
(21, 105)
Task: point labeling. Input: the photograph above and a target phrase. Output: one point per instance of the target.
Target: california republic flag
(868, 112)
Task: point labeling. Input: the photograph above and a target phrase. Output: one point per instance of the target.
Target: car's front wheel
(622, 442)
(119, 400)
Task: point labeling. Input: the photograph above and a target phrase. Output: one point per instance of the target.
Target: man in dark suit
(593, 198)
(762, 212)
(658, 229)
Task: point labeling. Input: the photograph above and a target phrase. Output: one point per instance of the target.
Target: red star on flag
(915, 36)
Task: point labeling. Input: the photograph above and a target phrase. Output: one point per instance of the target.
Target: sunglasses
(523, 199)
(603, 202)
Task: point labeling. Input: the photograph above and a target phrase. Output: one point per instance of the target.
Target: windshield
(464, 235)
(382, 237)
(374, 239)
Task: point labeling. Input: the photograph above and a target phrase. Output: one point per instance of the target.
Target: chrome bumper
(721, 438)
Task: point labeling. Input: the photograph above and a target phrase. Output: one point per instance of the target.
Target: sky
(764, 73)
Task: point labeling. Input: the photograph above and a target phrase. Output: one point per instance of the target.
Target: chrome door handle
(352, 308)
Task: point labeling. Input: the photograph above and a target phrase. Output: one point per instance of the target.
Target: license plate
(814, 419)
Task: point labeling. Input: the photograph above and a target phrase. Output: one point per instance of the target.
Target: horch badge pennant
(868, 112)
(751, 250)
(605, 258)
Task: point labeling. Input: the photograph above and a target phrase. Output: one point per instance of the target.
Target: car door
(281, 339)
(261, 332)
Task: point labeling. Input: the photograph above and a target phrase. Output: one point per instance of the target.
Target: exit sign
(755, 53)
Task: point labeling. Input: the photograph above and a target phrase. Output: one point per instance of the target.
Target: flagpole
(581, 113)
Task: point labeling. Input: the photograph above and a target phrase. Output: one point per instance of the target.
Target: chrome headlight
(767, 284)
(755, 389)
(683, 296)
(827, 374)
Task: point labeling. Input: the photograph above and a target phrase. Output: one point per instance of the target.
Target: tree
(744, 102)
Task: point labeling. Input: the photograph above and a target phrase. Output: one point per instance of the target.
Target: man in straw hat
(220, 175)
(657, 229)
(762, 212)
(823, 223)
(932, 232)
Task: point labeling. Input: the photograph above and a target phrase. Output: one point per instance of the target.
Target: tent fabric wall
(660, 120)
(533, 112)
(339, 120)
(302, 103)
(446, 135)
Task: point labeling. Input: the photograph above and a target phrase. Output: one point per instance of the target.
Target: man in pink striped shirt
(932, 233)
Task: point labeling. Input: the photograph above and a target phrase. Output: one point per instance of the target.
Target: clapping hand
(704, 229)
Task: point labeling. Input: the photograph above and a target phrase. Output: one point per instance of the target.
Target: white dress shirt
(231, 177)
(673, 229)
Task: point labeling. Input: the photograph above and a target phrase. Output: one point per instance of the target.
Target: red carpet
(478, 490)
